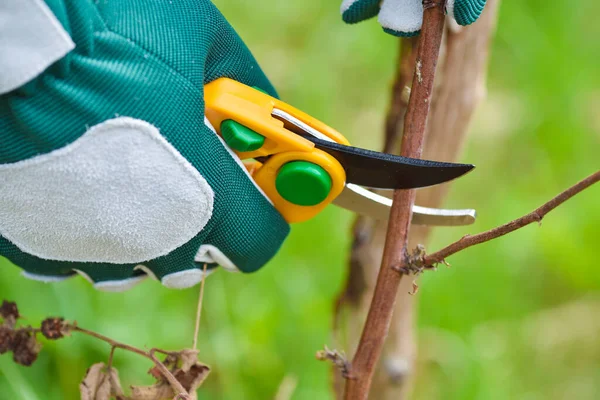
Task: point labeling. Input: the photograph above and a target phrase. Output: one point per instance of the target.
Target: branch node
(536, 215)
(413, 263)
(338, 359)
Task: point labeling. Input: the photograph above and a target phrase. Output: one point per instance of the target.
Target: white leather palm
(119, 194)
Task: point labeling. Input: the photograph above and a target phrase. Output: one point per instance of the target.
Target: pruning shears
(302, 165)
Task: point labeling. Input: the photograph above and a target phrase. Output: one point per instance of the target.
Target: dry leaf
(159, 391)
(96, 384)
(115, 383)
(191, 379)
(189, 358)
(103, 392)
(100, 385)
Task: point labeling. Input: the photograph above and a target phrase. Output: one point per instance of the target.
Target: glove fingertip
(112, 285)
(356, 11)
(401, 34)
(119, 285)
(185, 279)
(465, 12)
(46, 278)
(402, 18)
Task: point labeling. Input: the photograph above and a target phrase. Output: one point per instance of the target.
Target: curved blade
(365, 202)
(387, 171)
(374, 169)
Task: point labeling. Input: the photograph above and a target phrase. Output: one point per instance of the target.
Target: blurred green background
(516, 318)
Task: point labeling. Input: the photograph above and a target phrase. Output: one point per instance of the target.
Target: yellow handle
(228, 99)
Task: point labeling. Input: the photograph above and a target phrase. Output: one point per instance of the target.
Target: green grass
(515, 318)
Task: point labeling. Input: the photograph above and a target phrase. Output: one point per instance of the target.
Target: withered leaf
(97, 383)
(191, 379)
(115, 383)
(158, 391)
(189, 358)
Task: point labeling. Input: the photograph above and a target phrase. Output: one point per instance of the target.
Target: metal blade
(365, 202)
(387, 171)
(374, 169)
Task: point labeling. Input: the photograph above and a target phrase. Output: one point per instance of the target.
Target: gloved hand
(108, 167)
(405, 17)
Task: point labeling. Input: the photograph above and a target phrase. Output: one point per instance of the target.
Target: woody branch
(380, 313)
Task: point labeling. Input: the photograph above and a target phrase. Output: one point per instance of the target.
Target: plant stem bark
(460, 85)
(388, 281)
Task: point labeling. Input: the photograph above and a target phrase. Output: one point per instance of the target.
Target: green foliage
(514, 318)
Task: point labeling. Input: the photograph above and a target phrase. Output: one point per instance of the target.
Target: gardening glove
(108, 166)
(405, 17)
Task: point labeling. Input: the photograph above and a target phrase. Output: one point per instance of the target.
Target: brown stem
(535, 216)
(111, 357)
(459, 88)
(110, 341)
(352, 304)
(388, 280)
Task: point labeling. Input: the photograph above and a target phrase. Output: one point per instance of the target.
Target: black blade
(387, 171)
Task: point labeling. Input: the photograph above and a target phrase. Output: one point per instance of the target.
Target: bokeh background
(516, 318)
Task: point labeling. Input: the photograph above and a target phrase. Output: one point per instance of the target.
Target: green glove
(108, 167)
(405, 17)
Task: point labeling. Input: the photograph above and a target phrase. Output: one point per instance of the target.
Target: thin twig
(338, 359)
(110, 341)
(110, 357)
(165, 352)
(114, 382)
(429, 260)
(380, 313)
(199, 309)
